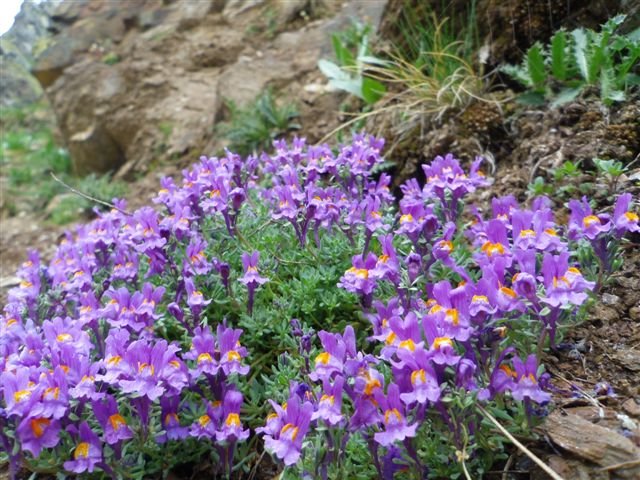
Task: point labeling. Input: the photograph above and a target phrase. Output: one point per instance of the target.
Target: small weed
(257, 125)
(583, 58)
(111, 58)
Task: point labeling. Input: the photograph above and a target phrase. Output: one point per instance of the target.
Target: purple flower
(563, 284)
(624, 219)
(151, 370)
(423, 380)
(87, 453)
(36, 433)
(358, 279)
(251, 277)
(113, 424)
(525, 383)
(231, 428)
(195, 298)
(286, 444)
(330, 403)
(583, 223)
(373, 215)
(231, 352)
(203, 352)
(396, 426)
(205, 426)
(172, 430)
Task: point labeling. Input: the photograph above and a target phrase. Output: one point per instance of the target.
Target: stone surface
(29, 31)
(177, 63)
(593, 443)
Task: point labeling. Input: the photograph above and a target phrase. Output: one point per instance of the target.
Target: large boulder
(17, 86)
(131, 86)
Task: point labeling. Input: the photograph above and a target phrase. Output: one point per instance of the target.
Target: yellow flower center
(117, 421)
(81, 451)
(204, 420)
(38, 426)
(418, 375)
(233, 356)
(323, 358)
(493, 248)
(408, 344)
(406, 218)
(204, 357)
(233, 420)
(590, 220)
(438, 342)
(21, 395)
(392, 412)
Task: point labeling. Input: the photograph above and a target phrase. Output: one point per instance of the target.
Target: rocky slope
(134, 84)
(17, 47)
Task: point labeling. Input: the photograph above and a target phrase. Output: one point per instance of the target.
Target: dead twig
(618, 466)
(89, 197)
(520, 446)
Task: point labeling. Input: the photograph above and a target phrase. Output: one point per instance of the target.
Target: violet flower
(87, 453)
(286, 444)
(231, 428)
(251, 278)
(396, 426)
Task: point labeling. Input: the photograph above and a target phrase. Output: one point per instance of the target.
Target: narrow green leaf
(565, 96)
(372, 90)
(331, 70)
(344, 56)
(580, 51)
(518, 73)
(353, 86)
(531, 98)
(535, 65)
(559, 58)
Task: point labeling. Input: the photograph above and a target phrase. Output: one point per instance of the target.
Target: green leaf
(372, 90)
(344, 56)
(518, 73)
(371, 60)
(608, 91)
(535, 65)
(634, 36)
(580, 51)
(353, 86)
(566, 95)
(559, 58)
(531, 98)
(331, 70)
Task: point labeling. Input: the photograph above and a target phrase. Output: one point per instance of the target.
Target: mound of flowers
(123, 354)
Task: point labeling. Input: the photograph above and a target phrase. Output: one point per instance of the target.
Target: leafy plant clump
(353, 55)
(575, 61)
(155, 338)
(256, 126)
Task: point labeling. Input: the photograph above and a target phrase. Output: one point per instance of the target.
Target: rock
(609, 299)
(52, 62)
(149, 19)
(94, 150)
(593, 443)
(629, 359)
(191, 14)
(30, 28)
(69, 12)
(573, 469)
(632, 407)
(634, 313)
